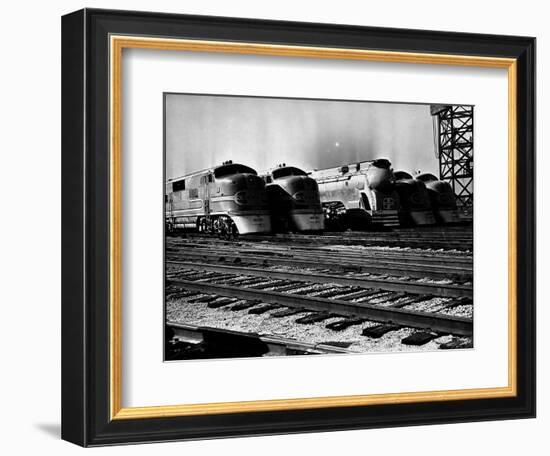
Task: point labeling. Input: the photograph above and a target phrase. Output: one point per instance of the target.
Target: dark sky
(204, 130)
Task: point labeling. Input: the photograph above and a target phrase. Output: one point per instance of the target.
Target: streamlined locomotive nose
(380, 179)
(249, 189)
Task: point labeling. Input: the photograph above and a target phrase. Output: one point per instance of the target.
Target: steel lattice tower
(454, 136)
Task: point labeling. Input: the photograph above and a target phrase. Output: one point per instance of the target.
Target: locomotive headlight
(299, 196)
(240, 198)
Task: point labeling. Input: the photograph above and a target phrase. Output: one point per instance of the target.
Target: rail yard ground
(336, 292)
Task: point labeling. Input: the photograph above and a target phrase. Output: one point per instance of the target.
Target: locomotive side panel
(185, 202)
(230, 198)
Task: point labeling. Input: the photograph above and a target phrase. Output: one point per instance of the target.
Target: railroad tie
(180, 294)
(252, 281)
(311, 288)
(220, 278)
(205, 276)
(263, 309)
(290, 286)
(246, 305)
(287, 312)
(344, 324)
(204, 298)
(456, 342)
(237, 281)
(221, 303)
(375, 332)
(331, 292)
(396, 296)
(412, 300)
(197, 297)
(314, 318)
(419, 338)
(358, 294)
(463, 300)
(264, 285)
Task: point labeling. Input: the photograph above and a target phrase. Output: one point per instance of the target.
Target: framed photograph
(277, 227)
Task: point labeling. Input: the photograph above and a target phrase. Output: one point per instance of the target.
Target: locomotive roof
(426, 177)
(352, 168)
(208, 170)
(401, 175)
(282, 168)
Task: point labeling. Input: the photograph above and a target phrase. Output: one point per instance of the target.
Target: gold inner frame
(117, 44)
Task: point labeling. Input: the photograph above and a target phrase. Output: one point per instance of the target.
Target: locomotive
(416, 208)
(360, 194)
(226, 199)
(294, 200)
(442, 198)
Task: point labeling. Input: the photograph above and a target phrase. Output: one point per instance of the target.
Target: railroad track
(411, 267)
(219, 342)
(368, 240)
(311, 281)
(414, 264)
(347, 299)
(395, 239)
(434, 289)
(366, 251)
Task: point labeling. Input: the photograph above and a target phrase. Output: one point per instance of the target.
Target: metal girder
(455, 142)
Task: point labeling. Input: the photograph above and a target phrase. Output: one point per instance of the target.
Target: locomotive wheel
(169, 227)
(225, 228)
(202, 226)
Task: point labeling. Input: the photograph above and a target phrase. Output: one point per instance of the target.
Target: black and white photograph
(316, 226)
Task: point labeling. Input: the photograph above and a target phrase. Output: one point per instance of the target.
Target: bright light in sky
(205, 130)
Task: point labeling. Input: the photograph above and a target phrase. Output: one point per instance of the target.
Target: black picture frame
(86, 416)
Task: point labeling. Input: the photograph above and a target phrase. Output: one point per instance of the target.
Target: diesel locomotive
(226, 199)
(361, 194)
(442, 198)
(293, 199)
(416, 208)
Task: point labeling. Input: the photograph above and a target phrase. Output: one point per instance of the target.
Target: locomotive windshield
(426, 177)
(287, 171)
(381, 163)
(400, 175)
(229, 170)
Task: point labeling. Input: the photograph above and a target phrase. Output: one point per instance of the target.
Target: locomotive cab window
(426, 177)
(288, 171)
(229, 170)
(178, 185)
